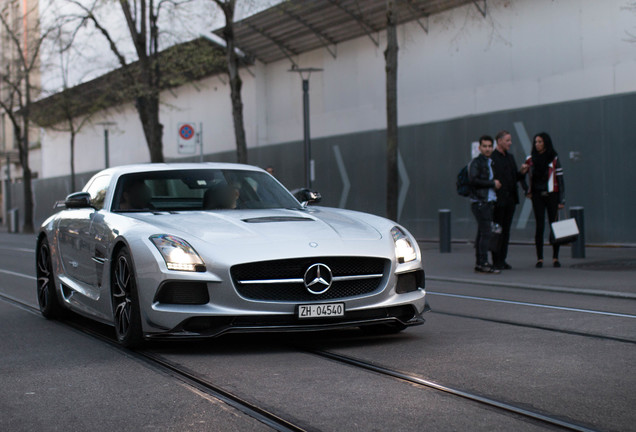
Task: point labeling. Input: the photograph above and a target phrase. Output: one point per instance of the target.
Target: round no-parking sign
(185, 143)
(186, 131)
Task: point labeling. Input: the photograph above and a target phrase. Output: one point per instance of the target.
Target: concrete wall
(594, 137)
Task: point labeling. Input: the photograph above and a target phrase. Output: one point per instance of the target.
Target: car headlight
(404, 250)
(177, 253)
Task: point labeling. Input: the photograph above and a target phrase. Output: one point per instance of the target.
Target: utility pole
(7, 190)
(106, 144)
(305, 73)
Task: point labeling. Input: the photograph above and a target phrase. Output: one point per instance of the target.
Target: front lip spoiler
(181, 334)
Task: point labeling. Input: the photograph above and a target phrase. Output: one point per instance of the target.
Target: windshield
(204, 189)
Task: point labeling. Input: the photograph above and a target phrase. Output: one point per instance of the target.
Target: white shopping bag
(565, 231)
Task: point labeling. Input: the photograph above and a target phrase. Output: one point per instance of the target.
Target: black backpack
(463, 181)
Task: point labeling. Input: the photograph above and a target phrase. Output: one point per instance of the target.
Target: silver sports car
(198, 250)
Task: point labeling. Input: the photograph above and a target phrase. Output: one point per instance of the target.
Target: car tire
(125, 299)
(48, 300)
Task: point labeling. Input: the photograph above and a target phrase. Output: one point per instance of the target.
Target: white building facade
(521, 56)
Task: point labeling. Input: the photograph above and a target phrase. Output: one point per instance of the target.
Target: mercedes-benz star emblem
(318, 278)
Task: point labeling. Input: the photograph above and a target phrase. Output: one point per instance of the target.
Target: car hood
(263, 225)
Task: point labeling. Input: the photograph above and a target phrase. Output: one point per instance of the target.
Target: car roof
(148, 167)
(116, 172)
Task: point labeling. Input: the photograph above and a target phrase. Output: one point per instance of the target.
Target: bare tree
(631, 6)
(391, 64)
(20, 67)
(142, 21)
(228, 7)
(72, 123)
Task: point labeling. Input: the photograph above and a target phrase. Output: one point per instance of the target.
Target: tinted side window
(97, 189)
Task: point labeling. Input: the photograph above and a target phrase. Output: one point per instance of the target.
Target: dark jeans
(541, 203)
(483, 215)
(503, 216)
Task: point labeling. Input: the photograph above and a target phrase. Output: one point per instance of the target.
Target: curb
(591, 292)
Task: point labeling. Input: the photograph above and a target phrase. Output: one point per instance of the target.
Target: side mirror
(78, 200)
(307, 196)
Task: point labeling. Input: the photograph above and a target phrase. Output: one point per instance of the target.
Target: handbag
(564, 231)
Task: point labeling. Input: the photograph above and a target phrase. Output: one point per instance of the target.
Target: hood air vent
(267, 219)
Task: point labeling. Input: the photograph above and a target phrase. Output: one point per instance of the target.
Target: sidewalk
(608, 271)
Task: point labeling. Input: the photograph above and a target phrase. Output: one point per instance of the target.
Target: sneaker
(507, 266)
(487, 268)
(556, 263)
(539, 264)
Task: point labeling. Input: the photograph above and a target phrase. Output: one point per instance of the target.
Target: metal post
(106, 156)
(444, 231)
(7, 189)
(305, 73)
(105, 125)
(200, 136)
(578, 246)
(306, 133)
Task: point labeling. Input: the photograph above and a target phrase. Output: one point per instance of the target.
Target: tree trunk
(390, 55)
(144, 34)
(148, 109)
(235, 83)
(26, 175)
(72, 130)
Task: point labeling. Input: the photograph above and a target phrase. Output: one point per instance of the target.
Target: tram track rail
(277, 421)
(536, 327)
(176, 371)
(549, 419)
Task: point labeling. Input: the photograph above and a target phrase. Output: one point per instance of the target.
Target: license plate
(321, 310)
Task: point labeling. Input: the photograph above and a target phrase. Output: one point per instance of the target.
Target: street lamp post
(7, 191)
(106, 144)
(305, 73)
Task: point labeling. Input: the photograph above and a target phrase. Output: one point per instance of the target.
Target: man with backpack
(483, 197)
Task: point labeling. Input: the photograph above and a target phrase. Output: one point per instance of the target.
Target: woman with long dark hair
(546, 191)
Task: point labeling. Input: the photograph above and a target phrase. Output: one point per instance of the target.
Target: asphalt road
(565, 355)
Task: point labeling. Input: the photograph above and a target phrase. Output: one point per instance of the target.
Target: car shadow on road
(258, 343)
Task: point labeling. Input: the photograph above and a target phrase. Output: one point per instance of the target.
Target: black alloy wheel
(125, 300)
(48, 301)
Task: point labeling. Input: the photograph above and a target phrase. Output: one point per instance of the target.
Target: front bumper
(214, 326)
(222, 308)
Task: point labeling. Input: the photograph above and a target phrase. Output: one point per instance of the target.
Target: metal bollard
(14, 220)
(578, 246)
(444, 230)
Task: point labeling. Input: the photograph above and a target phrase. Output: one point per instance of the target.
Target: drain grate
(608, 265)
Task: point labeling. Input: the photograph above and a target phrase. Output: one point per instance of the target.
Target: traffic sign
(186, 144)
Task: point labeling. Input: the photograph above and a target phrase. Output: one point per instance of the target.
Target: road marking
(526, 145)
(533, 305)
(346, 184)
(535, 287)
(404, 188)
(18, 249)
(18, 274)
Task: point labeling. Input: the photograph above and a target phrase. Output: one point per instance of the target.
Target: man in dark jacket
(505, 170)
(483, 198)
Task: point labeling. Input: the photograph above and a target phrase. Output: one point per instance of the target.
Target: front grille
(294, 269)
